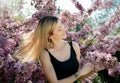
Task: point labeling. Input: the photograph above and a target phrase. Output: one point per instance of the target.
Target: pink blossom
(88, 28)
(1, 51)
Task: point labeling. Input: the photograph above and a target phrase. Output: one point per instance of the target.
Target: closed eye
(59, 30)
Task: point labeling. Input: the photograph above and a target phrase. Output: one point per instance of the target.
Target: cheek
(57, 34)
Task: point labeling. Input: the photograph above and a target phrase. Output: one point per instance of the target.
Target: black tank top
(67, 68)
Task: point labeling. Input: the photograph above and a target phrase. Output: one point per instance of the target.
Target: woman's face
(59, 32)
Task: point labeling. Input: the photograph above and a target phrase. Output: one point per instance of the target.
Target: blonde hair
(34, 42)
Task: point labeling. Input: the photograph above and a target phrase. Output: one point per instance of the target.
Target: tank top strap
(72, 48)
(70, 43)
(46, 50)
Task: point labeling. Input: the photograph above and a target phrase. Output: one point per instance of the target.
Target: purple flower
(1, 51)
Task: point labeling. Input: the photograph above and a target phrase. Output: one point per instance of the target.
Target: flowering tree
(97, 45)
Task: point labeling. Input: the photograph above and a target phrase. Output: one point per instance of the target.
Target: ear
(50, 35)
(50, 38)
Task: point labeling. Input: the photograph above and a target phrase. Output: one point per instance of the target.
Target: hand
(86, 71)
(99, 67)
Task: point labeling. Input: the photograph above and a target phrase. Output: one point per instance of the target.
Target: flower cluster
(70, 20)
(78, 5)
(44, 8)
(100, 4)
(103, 59)
(12, 71)
(115, 72)
(105, 29)
(96, 46)
(108, 45)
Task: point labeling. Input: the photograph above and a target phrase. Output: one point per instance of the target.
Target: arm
(82, 70)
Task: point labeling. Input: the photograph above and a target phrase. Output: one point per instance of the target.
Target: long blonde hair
(34, 42)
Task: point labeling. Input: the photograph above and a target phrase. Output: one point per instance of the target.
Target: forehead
(59, 23)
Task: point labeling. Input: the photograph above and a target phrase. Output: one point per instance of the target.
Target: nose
(63, 29)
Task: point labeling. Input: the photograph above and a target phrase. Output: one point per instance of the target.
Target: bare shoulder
(45, 56)
(75, 45)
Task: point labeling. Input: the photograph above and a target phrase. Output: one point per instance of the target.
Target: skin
(61, 51)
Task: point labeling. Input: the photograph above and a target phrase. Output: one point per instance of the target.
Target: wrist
(76, 75)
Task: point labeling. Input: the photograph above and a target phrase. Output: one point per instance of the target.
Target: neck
(58, 44)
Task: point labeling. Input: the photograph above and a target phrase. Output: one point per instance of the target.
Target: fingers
(89, 66)
(86, 71)
(99, 67)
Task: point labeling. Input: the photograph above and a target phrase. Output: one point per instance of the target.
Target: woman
(59, 58)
